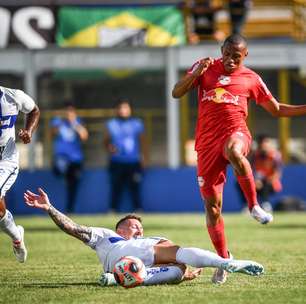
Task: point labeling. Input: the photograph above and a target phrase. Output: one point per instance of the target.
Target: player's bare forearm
(186, 83)
(32, 120)
(286, 110)
(82, 233)
(282, 109)
(183, 86)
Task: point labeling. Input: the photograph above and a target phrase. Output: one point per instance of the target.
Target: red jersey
(223, 102)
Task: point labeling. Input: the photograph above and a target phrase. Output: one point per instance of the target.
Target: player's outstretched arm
(283, 110)
(41, 201)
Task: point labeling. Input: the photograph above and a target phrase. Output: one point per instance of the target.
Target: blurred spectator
(267, 165)
(68, 157)
(125, 142)
(202, 20)
(238, 10)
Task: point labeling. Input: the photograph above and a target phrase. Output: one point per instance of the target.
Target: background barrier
(164, 190)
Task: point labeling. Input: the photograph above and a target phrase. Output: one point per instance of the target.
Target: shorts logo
(157, 270)
(201, 181)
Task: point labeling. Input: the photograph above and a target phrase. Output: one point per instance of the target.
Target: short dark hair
(122, 100)
(128, 217)
(69, 103)
(235, 39)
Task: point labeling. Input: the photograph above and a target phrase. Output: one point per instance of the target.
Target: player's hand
(25, 136)
(191, 275)
(203, 66)
(40, 201)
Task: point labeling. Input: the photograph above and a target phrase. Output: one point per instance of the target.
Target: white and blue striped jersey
(11, 102)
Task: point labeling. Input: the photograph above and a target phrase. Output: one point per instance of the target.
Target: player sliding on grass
(225, 87)
(128, 240)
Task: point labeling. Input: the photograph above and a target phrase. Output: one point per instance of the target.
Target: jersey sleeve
(24, 102)
(259, 91)
(191, 70)
(55, 122)
(97, 235)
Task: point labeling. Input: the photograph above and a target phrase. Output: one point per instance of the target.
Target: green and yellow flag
(156, 26)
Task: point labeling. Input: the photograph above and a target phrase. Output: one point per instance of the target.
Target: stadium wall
(164, 190)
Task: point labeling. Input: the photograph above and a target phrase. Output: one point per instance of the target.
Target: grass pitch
(60, 269)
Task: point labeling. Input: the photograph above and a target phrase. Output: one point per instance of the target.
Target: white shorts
(145, 253)
(8, 174)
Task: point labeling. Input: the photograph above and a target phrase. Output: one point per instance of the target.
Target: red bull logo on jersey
(220, 95)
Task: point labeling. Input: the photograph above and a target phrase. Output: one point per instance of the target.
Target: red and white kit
(222, 111)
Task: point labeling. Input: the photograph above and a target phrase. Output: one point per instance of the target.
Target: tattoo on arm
(82, 233)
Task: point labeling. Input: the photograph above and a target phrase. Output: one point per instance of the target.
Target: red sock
(217, 237)
(247, 185)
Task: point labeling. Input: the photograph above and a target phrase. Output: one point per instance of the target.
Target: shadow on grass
(59, 285)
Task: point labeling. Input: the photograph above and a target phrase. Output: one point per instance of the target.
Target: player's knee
(213, 212)
(233, 153)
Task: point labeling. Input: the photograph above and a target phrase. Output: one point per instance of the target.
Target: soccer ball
(129, 272)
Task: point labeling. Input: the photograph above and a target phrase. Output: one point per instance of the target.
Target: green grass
(61, 269)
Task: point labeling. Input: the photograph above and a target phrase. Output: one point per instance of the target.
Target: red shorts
(212, 164)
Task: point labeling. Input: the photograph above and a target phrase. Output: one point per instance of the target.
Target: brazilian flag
(156, 26)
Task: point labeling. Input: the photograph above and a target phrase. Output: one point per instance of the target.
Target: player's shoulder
(248, 71)
(138, 124)
(253, 76)
(8, 91)
(56, 120)
(17, 95)
(111, 122)
(137, 120)
(12, 95)
(104, 232)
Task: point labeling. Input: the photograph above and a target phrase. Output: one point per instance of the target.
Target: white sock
(8, 226)
(163, 275)
(199, 258)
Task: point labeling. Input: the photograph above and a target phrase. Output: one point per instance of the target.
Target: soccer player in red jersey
(225, 86)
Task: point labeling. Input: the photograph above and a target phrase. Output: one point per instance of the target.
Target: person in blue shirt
(124, 140)
(69, 133)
